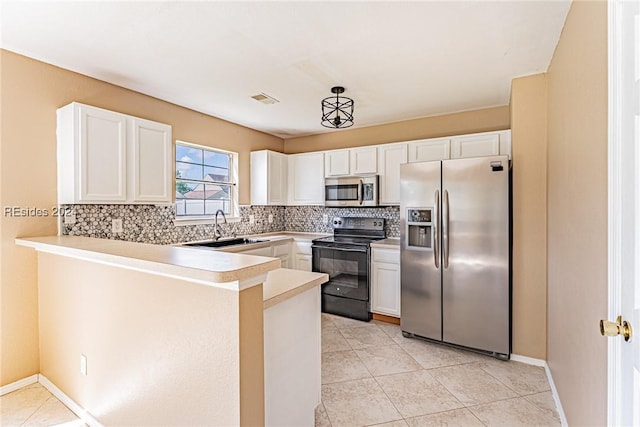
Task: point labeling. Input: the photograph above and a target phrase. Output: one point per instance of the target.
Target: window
(205, 181)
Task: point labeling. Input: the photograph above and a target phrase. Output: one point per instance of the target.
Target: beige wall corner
(483, 120)
(577, 213)
(32, 91)
(529, 145)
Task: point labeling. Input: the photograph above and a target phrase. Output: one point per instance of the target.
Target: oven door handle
(333, 248)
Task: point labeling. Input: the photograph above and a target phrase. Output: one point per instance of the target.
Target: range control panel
(352, 223)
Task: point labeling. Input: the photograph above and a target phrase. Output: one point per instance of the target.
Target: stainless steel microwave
(351, 191)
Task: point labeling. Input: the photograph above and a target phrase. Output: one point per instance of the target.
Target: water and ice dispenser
(419, 228)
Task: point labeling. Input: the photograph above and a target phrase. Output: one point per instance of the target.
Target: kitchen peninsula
(141, 334)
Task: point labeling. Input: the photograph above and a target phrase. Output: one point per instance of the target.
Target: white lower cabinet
(385, 281)
(302, 255)
(266, 251)
(296, 255)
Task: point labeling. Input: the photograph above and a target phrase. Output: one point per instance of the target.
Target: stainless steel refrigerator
(455, 252)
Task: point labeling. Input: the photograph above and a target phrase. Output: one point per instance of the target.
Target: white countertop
(214, 268)
(284, 283)
(390, 243)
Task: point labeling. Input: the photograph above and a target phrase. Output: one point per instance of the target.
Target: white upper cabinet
(151, 163)
(108, 157)
(390, 157)
(481, 144)
(336, 163)
(268, 178)
(363, 160)
(424, 150)
(306, 179)
(354, 161)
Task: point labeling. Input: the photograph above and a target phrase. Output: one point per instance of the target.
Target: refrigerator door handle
(445, 229)
(436, 231)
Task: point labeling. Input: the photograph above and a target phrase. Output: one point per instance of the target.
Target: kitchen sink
(225, 243)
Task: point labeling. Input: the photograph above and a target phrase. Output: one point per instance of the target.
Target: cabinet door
(479, 145)
(276, 179)
(336, 162)
(429, 149)
(306, 179)
(363, 160)
(303, 262)
(266, 251)
(389, 160)
(102, 159)
(385, 288)
(151, 162)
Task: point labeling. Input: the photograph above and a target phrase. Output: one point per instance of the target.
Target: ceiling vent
(265, 99)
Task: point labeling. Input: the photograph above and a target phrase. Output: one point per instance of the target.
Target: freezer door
(421, 302)
(475, 226)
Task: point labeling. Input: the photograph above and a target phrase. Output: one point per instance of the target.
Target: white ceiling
(397, 60)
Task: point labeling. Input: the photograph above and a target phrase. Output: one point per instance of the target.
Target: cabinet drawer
(386, 255)
(281, 250)
(259, 251)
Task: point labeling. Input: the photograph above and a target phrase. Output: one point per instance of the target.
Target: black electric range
(345, 257)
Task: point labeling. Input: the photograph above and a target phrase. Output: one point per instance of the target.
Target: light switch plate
(270, 218)
(70, 218)
(325, 219)
(252, 219)
(83, 364)
(116, 225)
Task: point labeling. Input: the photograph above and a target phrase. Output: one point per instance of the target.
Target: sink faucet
(216, 229)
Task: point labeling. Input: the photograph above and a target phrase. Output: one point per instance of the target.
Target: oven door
(347, 267)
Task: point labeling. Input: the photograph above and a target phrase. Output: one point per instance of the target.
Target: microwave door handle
(361, 192)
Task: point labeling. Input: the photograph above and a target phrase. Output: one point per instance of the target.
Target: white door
(624, 210)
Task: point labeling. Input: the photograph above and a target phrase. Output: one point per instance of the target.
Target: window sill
(198, 220)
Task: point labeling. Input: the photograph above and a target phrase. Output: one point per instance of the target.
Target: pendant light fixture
(337, 112)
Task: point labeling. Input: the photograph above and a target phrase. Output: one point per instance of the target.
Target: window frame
(234, 214)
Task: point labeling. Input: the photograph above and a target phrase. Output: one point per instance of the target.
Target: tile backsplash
(155, 224)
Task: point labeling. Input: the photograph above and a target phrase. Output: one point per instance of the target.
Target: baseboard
(68, 402)
(528, 360)
(385, 318)
(556, 396)
(554, 392)
(18, 384)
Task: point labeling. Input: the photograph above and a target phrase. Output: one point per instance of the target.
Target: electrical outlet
(116, 225)
(325, 219)
(70, 218)
(83, 364)
(270, 218)
(252, 219)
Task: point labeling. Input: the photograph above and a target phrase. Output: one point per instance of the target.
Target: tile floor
(34, 406)
(372, 375)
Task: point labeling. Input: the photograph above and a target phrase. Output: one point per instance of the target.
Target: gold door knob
(619, 327)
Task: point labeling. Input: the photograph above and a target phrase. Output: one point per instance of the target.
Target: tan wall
(160, 351)
(529, 146)
(483, 120)
(31, 93)
(577, 213)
